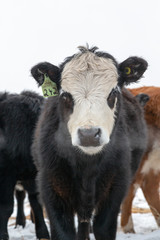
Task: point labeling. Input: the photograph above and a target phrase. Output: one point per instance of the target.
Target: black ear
(43, 69)
(142, 99)
(131, 70)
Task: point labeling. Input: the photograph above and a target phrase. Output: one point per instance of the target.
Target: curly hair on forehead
(86, 48)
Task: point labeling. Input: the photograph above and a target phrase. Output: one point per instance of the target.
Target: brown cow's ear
(43, 69)
(131, 70)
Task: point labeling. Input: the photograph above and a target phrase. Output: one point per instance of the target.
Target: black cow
(18, 117)
(88, 142)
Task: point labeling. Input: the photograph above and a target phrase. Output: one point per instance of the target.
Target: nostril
(98, 133)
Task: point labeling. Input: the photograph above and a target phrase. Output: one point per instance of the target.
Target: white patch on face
(91, 150)
(90, 79)
(153, 160)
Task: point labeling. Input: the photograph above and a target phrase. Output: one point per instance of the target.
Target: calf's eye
(111, 98)
(67, 100)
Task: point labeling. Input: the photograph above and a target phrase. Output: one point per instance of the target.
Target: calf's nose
(89, 137)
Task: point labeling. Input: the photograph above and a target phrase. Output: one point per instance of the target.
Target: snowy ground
(145, 226)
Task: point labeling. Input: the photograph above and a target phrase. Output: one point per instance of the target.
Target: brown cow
(148, 174)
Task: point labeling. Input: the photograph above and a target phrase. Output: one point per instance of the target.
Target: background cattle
(148, 174)
(18, 117)
(88, 142)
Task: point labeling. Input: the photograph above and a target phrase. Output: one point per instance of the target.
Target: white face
(90, 79)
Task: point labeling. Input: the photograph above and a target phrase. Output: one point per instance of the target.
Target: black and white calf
(88, 142)
(18, 117)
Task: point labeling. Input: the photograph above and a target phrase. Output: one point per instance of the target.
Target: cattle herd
(84, 150)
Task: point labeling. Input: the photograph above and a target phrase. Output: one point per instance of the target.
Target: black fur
(137, 67)
(71, 181)
(20, 217)
(18, 117)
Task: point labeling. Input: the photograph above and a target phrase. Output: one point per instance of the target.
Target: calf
(88, 142)
(148, 174)
(18, 116)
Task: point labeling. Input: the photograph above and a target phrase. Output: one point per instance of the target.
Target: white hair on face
(90, 79)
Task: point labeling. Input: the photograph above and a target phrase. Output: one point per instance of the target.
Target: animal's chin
(91, 150)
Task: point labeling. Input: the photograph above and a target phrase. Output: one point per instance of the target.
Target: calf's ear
(142, 99)
(43, 69)
(131, 70)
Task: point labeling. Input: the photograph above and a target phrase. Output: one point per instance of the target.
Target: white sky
(32, 31)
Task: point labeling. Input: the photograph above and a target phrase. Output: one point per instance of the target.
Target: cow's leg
(151, 191)
(126, 208)
(83, 230)
(61, 219)
(126, 211)
(41, 228)
(7, 184)
(59, 211)
(20, 196)
(105, 221)
(86, 203)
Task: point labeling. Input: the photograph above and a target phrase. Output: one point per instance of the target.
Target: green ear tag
(49, 88)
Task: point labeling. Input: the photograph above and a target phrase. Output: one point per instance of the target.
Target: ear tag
(49, 88)
(127, 70)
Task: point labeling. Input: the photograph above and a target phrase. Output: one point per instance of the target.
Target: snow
(144, 224)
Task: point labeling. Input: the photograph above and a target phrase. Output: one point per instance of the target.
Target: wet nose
(89, 136)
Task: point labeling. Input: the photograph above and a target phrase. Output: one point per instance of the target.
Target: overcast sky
(32, 31)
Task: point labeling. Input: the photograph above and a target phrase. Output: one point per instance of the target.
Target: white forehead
(89, 76)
